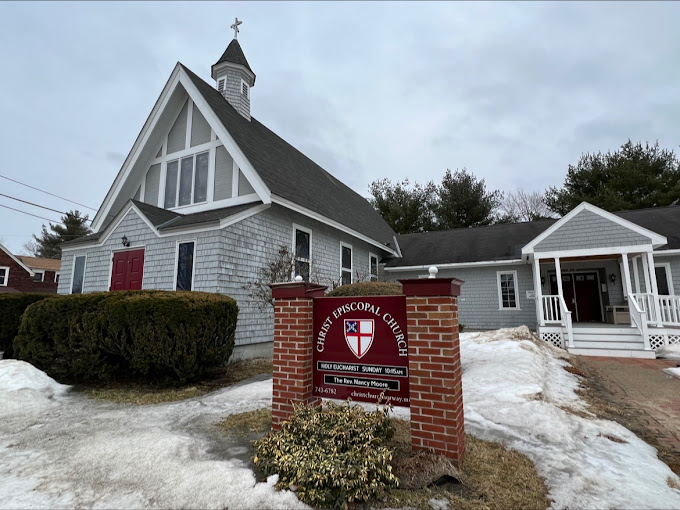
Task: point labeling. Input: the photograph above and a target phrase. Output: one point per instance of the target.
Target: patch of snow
(23, 386)
(516, 391)
(439, 504)
(669, 351)
(673, 371)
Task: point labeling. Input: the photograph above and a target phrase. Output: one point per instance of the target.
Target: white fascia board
(323, 219)
(455, 265)
(17, 260)
(666, 253)
(136, 150)
(223, 134)
(656, 239)
(121, 216)
(590, 252)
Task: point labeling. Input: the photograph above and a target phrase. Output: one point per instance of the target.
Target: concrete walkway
(641, 396)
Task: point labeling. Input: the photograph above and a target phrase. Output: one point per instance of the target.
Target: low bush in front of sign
(332, 454)
(132, 335)
(12, 307)
(367, 289)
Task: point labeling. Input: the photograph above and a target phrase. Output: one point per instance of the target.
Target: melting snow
(669, 351)
(59, 449)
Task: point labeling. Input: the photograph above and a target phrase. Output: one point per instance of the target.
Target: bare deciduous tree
(520, 205)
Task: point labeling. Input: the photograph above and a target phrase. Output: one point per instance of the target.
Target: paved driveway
(639, 395)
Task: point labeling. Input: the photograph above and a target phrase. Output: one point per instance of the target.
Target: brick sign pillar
(293, 342)
(434, 366)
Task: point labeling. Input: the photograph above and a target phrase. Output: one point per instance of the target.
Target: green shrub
(334, 454)
(368, 289)
(140, 335)
(12, 307)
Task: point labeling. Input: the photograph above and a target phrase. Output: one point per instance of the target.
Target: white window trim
(377, 267)
(351, 262)
(247, 94)
(57, 275)
(309, 231)
(193, 267)
(500, 293)
(42, 276)
(73, 270)
(6, 268)
(669, 276)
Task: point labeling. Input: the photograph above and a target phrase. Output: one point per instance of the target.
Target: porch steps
(625, 342)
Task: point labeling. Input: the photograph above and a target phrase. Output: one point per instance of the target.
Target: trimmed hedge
(12, 307)
(367, 289)
(139, 335)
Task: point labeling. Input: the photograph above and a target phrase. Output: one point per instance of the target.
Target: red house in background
(20, 273)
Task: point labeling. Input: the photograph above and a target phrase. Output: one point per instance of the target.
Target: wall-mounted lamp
(125, 241)
(612, 278)
(542, 280)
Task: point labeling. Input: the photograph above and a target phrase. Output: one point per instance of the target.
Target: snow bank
(673, 371)
(516, 391)
(24, 386)
(669, 351)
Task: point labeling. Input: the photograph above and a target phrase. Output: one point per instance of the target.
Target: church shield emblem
(359, 335)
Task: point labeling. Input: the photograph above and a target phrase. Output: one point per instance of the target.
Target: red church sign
(361, 349)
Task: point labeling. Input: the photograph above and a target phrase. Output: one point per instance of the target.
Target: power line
(24, 212)
(31, 203)
(47, 192)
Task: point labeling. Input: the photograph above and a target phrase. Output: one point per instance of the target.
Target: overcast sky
(514, 92)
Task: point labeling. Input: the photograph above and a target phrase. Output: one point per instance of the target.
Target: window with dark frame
(373, 269)
(508, 296)
(185, 266)
(346, 263)
(302, 254)
(78, 279)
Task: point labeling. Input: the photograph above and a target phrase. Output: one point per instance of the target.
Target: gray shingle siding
(478, 306)
(589, 230)
(226, 260)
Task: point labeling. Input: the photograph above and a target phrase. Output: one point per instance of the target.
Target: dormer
(234, 78)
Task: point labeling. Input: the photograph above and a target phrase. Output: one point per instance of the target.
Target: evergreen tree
(463, 201)
(406, 209)
(72, 226)
(633, 177)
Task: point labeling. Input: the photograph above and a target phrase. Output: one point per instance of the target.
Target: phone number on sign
(321, 389)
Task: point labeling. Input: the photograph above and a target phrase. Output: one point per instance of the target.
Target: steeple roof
(234, 55)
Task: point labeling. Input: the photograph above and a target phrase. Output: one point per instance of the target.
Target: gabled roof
(291, 175)
(16, 259)
(504, 242)
(41, 263)
(164, 221)
(234, 55)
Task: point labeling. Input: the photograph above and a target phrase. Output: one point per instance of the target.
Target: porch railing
(669, 308)
(638, 318)
(555, 311)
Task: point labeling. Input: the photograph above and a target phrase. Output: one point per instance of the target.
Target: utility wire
(47, 192)
(31, 203)
(24, 212)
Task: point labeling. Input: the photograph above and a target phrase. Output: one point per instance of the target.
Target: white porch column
(566, 313)
(645, 274)
(636, 274)
(538, 289)
(558, 274)
(655, 288)
(626, 277)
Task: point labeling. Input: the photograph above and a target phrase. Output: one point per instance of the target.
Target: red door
(567, 290)
(588, 297)
(128, 270)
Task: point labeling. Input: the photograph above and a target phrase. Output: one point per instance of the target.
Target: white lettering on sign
(398, 334)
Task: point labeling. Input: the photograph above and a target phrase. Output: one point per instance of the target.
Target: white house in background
(593, 282)
(208, 195)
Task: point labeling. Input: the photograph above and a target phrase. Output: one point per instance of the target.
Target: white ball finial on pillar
(433, 272)
(298, 278)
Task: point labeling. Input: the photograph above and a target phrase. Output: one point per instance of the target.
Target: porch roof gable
(561, 235)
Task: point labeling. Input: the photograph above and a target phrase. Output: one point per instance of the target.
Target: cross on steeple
(234, 27)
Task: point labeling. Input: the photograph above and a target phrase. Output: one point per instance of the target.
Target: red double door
(128, 270)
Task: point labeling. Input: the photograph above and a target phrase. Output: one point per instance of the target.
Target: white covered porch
(631, 324)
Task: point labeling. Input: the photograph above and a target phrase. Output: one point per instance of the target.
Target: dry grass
(613, 438)
(145, 394)
(573, 370)
(243, 424)
(673, 483)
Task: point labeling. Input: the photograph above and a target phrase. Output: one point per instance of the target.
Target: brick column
(292, 372)
(434, 366)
